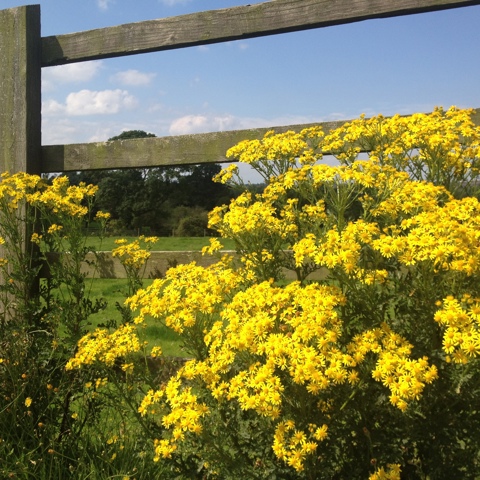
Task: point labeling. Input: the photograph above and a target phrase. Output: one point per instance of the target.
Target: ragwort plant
(365, 366)
(133, 256)
(53, 423)
(40, 324)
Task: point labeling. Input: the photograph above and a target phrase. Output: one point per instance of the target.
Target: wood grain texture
(20, 89)
(156, 151)
(248, 21)
(162, 151)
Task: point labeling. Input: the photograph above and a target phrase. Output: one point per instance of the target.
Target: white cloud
(101, 134)
(104, 4)
(195, 81)
(172, 3)
(133, 78)
(58, 131)
(200, 124)
(156, 107)
(52, 107)
(190, 124)
(71, 73)
(89, 102)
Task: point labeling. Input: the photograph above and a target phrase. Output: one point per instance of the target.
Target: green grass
(169, 244)
(114, 291)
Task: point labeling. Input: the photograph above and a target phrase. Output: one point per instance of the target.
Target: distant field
(169, 244)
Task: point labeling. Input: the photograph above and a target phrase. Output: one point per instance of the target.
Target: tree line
(161, 201)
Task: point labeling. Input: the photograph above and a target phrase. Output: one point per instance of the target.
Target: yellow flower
(102, 215)
(105, 347)
(156, 352)
(321, 433)
(54, 228)
(28, 402)
(128, 367)
(392, 472)
(35, 238)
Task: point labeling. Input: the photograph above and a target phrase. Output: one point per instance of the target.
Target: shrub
(193, 226)
(372, 372)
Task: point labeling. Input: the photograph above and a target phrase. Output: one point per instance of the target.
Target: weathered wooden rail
(23, 53)
(162, 151)
(203, 28)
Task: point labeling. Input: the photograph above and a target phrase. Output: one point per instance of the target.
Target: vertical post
(20, 123)
(20, 90)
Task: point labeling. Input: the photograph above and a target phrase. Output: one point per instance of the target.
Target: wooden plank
(248, 21)
(162, 151)
(156, 151)
(20, 89)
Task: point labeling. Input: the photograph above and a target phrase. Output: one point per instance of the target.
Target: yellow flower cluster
(447, 236)
(291, 336)
(14, 188)
(396, 214)
(392, 472)
(62, 198)
(247, 217)
(58, 200)
(442, 147)
(287, 149)
(152, 398)
(293, 446)
(290, 331)
(226, 174)
(54, 228)
(405, 377)
(185, 414)
(289, 146)
(213, 247)
(131, 254)
(104, 347)
(293, 328)
(411, 221)
(102, 216)
(186, 295)
(385, 229)
(461, 323)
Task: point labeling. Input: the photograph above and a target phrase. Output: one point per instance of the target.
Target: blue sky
(399, 65)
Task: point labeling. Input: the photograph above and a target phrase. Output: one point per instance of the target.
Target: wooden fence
(23, 52)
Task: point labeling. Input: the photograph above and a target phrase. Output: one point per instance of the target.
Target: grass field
(114, 290)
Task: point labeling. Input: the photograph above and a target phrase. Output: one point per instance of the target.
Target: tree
(131, 134)
(147, 198)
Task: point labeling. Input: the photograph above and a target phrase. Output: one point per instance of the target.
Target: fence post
(20, 90)
(20, 113)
